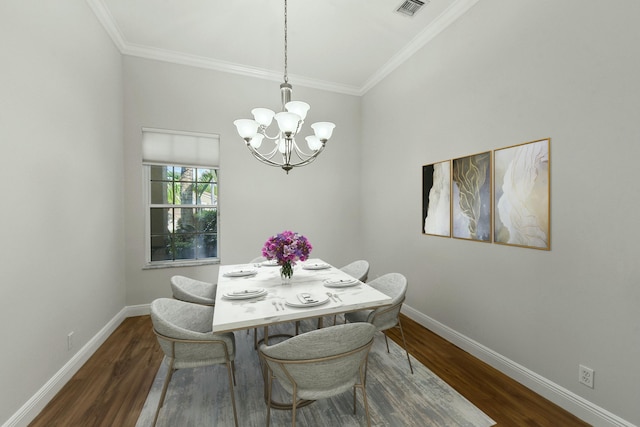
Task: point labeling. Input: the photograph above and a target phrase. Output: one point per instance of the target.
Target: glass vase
(286, 271)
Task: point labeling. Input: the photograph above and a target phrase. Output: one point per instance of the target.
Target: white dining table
(279, 302)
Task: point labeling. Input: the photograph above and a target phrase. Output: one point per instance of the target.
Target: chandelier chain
(286, 78)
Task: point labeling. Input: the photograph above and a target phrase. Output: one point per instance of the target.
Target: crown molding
(446, 18)
(233, 68)
(107, 21)
(439, 24)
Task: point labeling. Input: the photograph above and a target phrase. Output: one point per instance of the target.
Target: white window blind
(166, 147)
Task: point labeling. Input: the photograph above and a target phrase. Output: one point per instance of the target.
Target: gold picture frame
(522, 189)
(471, 197)
(436, 199)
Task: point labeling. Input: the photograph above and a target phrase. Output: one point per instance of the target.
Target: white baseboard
(562, 397)
(38, 401)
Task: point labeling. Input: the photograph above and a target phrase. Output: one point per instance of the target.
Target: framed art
(471, 197)
(436, 199)
(522, 190)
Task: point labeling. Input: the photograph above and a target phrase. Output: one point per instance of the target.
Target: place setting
(246, 293)
(241, 273)
(340, 283)
(315, 266)
(306, 299)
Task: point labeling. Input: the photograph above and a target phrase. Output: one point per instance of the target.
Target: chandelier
(285, 152)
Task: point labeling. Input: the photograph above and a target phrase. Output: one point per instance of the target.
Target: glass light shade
(314, 142)
(323, 130)
(288, 122)
(282, 145)
(263, 116)
(247, 128)
(298, 107)
(256, 141)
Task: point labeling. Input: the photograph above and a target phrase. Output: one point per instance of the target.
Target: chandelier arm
(264, 159)
(302, 154)
(307, 161)
(263, 131)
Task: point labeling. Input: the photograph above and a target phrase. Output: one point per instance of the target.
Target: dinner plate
(316, 266)
(240, 273)
(340, 283)
(296, 301)
(246, 293)
(269, 263)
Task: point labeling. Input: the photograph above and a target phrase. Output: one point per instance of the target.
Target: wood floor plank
(505, 400)
(111, 388)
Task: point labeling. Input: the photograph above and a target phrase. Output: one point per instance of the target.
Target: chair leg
(366, 405)
(386, 341)
(295, 405)
(231, 371)
(404, 342)
(269, 384)
(167, 379)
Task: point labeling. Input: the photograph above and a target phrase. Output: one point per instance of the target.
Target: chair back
(184, 334)
(192, 290)
(358, 269)
(321, 363)
(394, 285)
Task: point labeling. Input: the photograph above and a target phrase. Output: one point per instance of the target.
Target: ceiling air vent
(410, 7)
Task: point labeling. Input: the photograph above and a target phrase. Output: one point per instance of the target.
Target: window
(182, 198)
(183, 213)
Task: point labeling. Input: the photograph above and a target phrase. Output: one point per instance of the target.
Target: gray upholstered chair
(383, 318)
(319, 364)
(184, 333)
(358, 269)
(194, 291)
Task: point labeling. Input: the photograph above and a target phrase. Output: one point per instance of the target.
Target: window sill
(185, 263)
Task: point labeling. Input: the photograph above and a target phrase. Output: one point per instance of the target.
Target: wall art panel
(471, 197)
(436, 199)
(522, 190)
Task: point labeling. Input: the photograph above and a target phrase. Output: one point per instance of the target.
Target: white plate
(341, 283)
(246, 293)
(270, 263)
(318, 300)
(240, 273)
(316, 266)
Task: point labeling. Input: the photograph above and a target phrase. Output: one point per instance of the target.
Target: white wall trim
(557, 394)
(38, 401)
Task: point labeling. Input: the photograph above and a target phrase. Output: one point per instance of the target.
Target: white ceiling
(345, 46)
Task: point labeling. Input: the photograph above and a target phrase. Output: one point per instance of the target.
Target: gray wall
(256, 201)
(62, 263)
(510, 72)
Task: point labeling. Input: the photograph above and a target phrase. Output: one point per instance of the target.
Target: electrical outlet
(585, 375)
(70, 341)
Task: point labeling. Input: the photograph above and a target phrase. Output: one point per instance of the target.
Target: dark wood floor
(110, 389)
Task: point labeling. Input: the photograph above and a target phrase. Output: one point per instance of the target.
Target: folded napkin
(306, 298)
(316, 266)
(339, 281)
(246, 291)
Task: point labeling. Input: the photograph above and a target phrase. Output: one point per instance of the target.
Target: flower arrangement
(287, 248)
